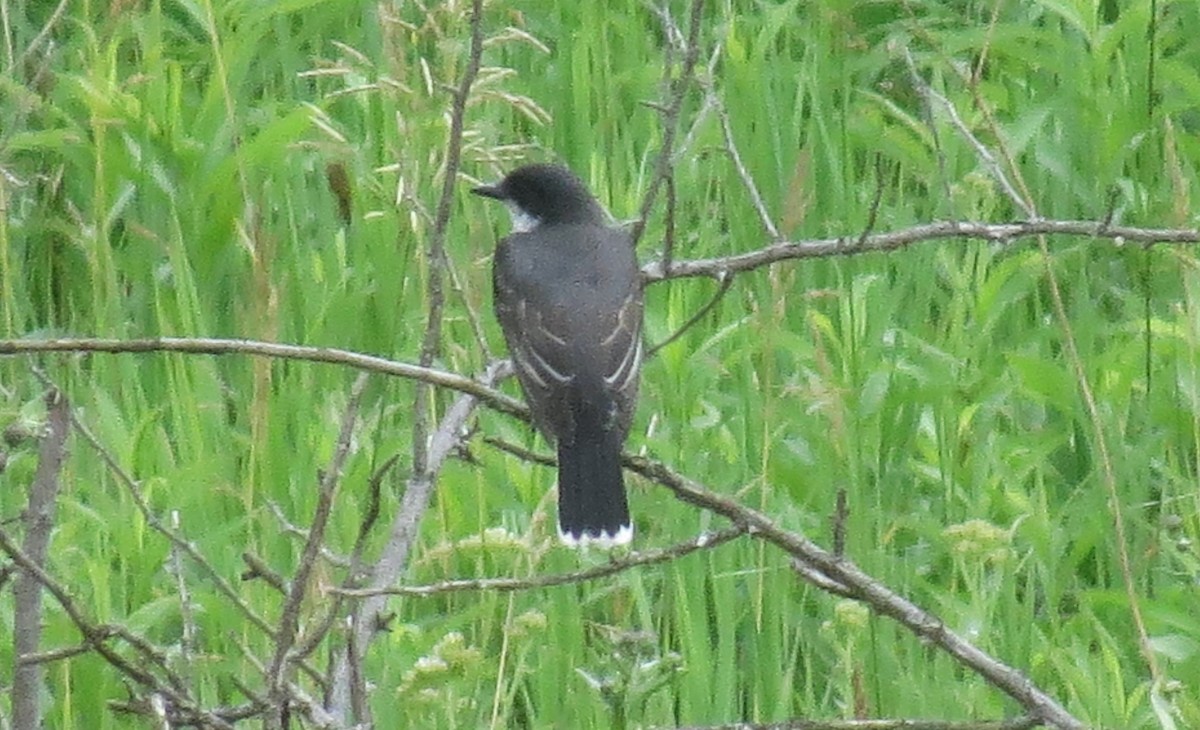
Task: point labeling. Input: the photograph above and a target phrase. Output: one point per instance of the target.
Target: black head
(544, 193)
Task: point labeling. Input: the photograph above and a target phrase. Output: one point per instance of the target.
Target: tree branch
(858, 244)
(865, 588)
(431, 344)
(210, 346)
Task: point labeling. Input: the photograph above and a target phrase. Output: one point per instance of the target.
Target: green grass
(164, 174)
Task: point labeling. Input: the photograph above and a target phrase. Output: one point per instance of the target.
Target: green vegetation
(163, 171)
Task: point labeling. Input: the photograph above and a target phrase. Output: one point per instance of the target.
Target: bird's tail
(592, 508)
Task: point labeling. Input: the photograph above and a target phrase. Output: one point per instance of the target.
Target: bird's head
(544, 194)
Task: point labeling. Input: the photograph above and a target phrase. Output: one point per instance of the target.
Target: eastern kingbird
(568, 295)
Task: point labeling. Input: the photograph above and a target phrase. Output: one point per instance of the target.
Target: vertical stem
(27, 593)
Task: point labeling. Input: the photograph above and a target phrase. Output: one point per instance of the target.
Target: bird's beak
(489, 191)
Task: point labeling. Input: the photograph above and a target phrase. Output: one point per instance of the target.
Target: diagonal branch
(726, 281)
(865, 588)
(98, 637)
(735, 156)
(432, 342)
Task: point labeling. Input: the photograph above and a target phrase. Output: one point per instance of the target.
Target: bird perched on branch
(568, 296)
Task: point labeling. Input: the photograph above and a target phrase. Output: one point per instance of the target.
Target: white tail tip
(603, 541)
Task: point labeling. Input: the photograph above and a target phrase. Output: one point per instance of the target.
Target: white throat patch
(522, 220)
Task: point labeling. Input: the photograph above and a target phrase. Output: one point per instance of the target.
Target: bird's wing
(539, 355)
(572, 318)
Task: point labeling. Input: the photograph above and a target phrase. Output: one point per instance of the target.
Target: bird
(567, 293)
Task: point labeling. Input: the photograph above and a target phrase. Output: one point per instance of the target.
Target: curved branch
(209, 346)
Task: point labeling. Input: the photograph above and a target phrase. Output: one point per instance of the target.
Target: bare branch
(857, 244)
(873, 211)
(53, 655)
(735, 156)
(98, 636)
(295, 530)
(41, 37)
(981, 151)
(668, 249)
(176, 540)
(207, 346)
(187, 639)
(865, 588)
(505, 585)
(257, 569)
(27, 592)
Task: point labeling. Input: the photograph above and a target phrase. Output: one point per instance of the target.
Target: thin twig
(726, 281)
(257, 569)
(735, 156)
(295, 530)
(289, 622)
(431, 344)
(670, 123)
(187, 639)
(981, 151)
(873, 211)
(319, 628)
(42, 35)
(347, 677)
(502, 585)
(370, 515)
(98, 636)
(841, 513)
(54, 655)
(175, 539)
(668, 249)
